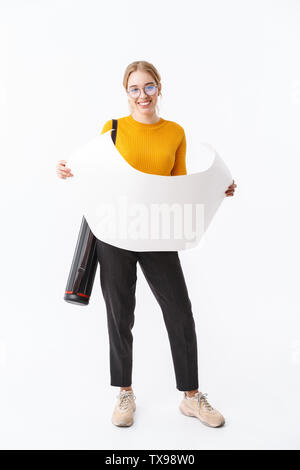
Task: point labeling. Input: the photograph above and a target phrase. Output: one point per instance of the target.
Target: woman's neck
(153, 119)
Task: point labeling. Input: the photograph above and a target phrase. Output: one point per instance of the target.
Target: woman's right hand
(62, 171)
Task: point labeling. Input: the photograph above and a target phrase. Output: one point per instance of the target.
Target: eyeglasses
(150, 90)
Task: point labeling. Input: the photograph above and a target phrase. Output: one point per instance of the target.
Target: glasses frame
(155, 86)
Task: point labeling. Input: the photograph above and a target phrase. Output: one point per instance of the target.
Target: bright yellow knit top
(158, 148)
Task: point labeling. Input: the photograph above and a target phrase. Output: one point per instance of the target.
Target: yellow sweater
(158, 148)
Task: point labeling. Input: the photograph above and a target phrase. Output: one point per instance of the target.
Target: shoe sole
(123, 425)
(187, 412)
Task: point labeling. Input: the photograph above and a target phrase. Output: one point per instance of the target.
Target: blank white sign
(140, 211)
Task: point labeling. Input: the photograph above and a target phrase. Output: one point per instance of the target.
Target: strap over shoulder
(114, 131)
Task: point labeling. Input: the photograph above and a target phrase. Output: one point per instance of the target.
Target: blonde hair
(141, 65)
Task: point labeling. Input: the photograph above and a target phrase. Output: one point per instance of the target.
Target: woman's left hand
(230, 190)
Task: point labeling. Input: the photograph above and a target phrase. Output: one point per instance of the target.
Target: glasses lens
(134, 92)
(150, 90)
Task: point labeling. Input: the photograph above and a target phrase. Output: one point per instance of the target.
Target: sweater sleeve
(179, 167)
(107, 126)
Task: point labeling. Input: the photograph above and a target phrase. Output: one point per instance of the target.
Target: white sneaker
(124, 409)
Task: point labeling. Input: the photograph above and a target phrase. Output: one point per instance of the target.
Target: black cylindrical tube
(83, 268)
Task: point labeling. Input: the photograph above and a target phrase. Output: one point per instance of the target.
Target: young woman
(152, 145)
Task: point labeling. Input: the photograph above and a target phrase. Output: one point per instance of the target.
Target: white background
(231, 77)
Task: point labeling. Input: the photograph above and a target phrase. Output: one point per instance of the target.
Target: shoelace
(124, 399)
(206, 404)
(201, 397)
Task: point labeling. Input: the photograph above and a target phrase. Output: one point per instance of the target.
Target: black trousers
(163, 272)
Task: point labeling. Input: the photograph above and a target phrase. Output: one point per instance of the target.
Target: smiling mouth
(144, 103)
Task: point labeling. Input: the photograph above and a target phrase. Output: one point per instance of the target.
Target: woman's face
(141, 79)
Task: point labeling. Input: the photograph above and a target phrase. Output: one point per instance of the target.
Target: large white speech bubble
(140, 211)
